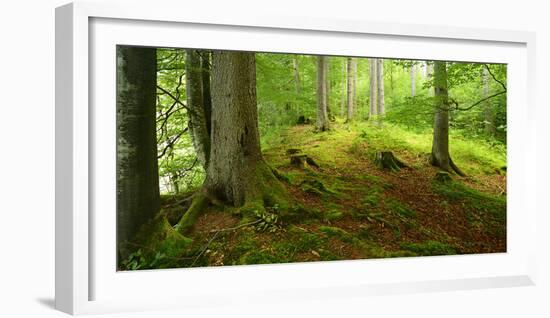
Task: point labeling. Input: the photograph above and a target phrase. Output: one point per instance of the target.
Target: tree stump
(386, 160)
(298, 160)
(292, 151)
(303, 120)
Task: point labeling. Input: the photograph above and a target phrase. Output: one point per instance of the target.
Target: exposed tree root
(442, 176)
(264, 192)
(200, 201)
(455, 168)
(386, 160)
(448, 166)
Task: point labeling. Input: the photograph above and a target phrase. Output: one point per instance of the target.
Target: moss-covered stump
(293, 151)
(386, 160)
(299, 160)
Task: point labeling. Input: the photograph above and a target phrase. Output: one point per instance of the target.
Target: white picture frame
(84, 284)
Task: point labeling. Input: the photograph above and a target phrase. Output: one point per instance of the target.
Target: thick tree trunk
(350, 89)
(373, 87)
(138, 198)
(488, 113)
(440, 156)
(237, 173)
(380, 87)
(206, 93)
(196, 106)
(322, 115)
(413, 80)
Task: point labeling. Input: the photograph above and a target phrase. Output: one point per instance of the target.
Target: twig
(216, 235)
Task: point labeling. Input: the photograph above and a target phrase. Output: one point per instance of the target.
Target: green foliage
(267, 221)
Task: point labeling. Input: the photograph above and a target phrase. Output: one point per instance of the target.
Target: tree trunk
(488, 113)
(196, 106)
(413, 80)
(138, 198)
(373, 87)
(344, 93)
(380, 87)
(206, 93)
(297, 82)
(440, 156)
(322, 116)
(429, 74)
(350, 89)
(327, 85)
(237, 173)
(354, 83)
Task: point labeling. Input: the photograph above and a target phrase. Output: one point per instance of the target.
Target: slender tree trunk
(429, 74)
(196, 106)
(350, 89)
(138, 198)
(327, 85)
(413, 80)
(373, 87)
(322, 115)
(344, 92)
(440, 156)
(354, 83)
(380, 84)
(297, 82)
(488, 113)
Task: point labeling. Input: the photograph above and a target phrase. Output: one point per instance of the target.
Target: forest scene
(237, 158)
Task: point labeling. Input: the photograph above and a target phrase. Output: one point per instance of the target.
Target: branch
(494, 77)
(479, 101)
(172, 96)
(171, 142)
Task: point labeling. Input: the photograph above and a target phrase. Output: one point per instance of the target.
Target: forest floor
(350, 208)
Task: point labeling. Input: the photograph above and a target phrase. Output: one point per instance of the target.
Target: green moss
(400, 208)
(195, 210)
(429, 248)
(488, 211)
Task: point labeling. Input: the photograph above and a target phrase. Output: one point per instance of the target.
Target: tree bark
(138, 198)
(373, 87)
(440, 156)
(196, 105)
(206, 93)
(380, 87)
(350, 88)
(237, 173)
(322, 115)
(328, 86)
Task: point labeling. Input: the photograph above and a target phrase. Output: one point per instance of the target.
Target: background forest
(231, 158)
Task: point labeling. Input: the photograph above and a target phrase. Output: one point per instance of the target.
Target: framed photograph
(253, 158)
